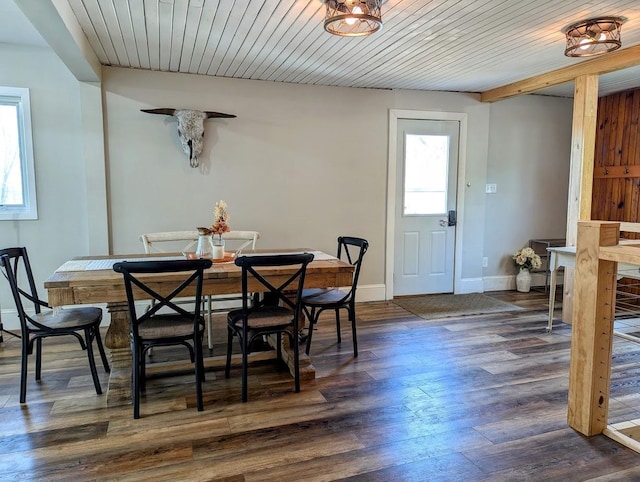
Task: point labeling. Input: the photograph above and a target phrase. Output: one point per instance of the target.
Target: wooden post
(592, 330)
(583, 140)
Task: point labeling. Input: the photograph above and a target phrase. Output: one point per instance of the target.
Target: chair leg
(245, 347)
(338, 325)
(38, 359)
(135, 379)
(312, 322)
(142, 383)
(227, 370)
(199, 369)
(352, 315)
(92, 361)
(103, 355)
(200, 338)
(296, 361)
(209, 325)
(23, 369)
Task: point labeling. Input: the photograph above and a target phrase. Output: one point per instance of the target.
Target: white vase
(204, 247)
(218, 247)
(523, 280)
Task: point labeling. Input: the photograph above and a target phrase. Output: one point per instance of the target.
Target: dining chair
(184, 241)
(35, 325)
(276, 314)
(174, 326)
(315, 301)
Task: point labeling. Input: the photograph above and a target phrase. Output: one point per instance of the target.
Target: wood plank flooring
(473, 398)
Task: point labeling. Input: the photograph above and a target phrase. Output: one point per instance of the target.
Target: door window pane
(425, 177)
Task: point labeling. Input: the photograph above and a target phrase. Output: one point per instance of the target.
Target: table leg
(117, 340)
(553, 262)
(307, 370)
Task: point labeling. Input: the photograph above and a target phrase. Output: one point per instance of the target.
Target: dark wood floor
(468, 398)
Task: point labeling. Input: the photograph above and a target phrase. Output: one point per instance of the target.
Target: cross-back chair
(266, 317)
(315, 301)
(36, 324)
(174, 326)
(184, 241)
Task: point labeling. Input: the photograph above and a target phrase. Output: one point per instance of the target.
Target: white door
(427, 166)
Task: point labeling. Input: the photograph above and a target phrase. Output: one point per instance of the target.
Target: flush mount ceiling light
(594, 36)
(353, 18)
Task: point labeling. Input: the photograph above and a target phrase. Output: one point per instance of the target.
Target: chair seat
(265, 317)
(167, 326)
(68, 318)
(322, 297)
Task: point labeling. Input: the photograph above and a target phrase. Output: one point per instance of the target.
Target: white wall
(529, 149)
(60, 232)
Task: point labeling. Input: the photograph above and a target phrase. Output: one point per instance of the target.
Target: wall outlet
(491, 188)
(485, 262)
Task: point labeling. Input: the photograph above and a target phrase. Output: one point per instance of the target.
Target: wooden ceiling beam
(618, 60)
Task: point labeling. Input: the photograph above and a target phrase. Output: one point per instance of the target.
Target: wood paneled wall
(616, 178)
(616, 174)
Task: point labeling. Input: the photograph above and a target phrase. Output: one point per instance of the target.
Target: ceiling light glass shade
(353, 18)
(593, 37)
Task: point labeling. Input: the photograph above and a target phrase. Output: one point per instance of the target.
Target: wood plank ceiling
(449, 45)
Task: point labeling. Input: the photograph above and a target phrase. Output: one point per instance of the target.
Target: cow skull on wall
(190, 128)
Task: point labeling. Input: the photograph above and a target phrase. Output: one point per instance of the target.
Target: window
(17, 179)
(425, 177)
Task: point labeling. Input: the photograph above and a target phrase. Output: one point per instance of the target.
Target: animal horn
(218, 114)
(164, 110)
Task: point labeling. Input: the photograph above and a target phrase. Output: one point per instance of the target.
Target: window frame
(29, 209)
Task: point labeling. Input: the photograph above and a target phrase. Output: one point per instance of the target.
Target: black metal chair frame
(139, 344)
(314, 304)
(33, 329)
(239, 321)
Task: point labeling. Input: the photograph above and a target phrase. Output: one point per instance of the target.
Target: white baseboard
(370, 292)
(499, 283)
(9, 319)
(508, 283)
(470, 285)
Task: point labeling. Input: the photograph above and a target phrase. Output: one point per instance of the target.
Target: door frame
(394, 116)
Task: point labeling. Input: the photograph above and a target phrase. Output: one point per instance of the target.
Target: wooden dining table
(91, 280)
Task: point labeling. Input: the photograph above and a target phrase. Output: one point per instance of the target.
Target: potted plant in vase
(526, 259)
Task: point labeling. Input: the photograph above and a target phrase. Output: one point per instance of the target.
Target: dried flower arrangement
(220, 219)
